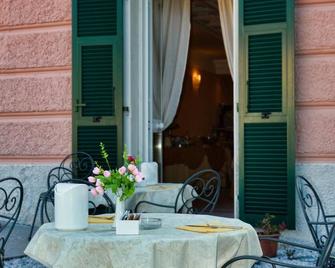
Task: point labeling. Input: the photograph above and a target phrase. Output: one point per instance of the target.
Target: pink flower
(98, 183)
(135, 172)
(122, 170)
(131, 167)
(99, 190)
(139, 177)
(131, 158)
(91, 179)
(94, 192)
(96, 171)
(107, 173)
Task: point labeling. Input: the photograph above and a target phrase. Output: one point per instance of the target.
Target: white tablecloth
(167, 247)
(161, 193)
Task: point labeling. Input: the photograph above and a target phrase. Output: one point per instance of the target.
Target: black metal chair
(80, 165)
(204, 195)
(11, 197)
(55, 175)
(108, 207)
(322, 261)
(318, 221)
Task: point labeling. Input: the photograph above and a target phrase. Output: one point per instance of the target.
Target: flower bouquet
(120, 181)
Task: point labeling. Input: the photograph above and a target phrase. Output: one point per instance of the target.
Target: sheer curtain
(172, 25)
(226, 19)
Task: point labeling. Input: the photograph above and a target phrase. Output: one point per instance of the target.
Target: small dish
(150, 223)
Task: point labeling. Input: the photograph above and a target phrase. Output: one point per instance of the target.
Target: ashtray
(150, 223)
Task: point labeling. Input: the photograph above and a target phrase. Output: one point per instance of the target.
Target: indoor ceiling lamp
(196, 79)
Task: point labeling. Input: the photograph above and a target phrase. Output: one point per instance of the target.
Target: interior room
(201, 134)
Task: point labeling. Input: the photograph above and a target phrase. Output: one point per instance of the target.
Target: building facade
(38, 110)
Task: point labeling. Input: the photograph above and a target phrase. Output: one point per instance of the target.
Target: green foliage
(121, 184)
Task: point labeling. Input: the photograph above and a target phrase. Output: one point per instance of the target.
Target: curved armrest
(152, 204)
(265, 260)
(291, 243)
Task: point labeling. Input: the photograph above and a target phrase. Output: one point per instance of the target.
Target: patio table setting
(183, 240)
(174, 237)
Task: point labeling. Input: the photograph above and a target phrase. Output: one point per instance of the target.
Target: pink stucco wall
(315, 80)
(35, 79)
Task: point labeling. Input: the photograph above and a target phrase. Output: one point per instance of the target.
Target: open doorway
(201, 135)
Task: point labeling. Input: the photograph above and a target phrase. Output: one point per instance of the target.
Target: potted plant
(268, 229)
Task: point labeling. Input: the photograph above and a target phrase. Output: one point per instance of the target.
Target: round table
(166, 247)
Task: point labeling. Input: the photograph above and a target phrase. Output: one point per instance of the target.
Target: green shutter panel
(267, 161)
(98, 77)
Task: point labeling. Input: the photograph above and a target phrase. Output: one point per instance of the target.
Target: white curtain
(226, 19)
(172, 25)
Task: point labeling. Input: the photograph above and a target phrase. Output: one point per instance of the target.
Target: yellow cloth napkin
(208, 228)
(100, 219)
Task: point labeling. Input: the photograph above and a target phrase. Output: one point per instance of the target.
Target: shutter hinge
(237, 107)
(125, 109)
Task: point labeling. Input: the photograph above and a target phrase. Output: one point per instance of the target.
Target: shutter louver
(266, 115)
(265, 73)
(97, 17)
(97, 80)
(89, 139)
(265, 168)
(97, 72)
(264, 11)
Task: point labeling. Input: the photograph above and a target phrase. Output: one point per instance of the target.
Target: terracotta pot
(269, 247)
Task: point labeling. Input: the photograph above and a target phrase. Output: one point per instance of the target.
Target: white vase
(119, 209)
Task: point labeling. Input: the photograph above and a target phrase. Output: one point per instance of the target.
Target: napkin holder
(127, 227)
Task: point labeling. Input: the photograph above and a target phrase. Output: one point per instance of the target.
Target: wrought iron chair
(93, 208)
(204, 195)
(11, 197)
(318, 221)
(322, 261)
(80, 164)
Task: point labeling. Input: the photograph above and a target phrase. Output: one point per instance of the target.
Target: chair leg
(2, 258)
(35, 216)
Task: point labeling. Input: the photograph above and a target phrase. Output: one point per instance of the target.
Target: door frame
(146, 61)
(236, 94)
(138, 77)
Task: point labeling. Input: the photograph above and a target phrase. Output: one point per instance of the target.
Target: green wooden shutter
(267, 153)
(98, 77)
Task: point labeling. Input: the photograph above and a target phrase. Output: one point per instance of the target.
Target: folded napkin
(96, 219)
(207, 228)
